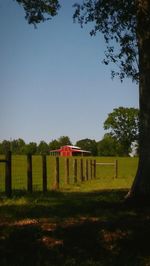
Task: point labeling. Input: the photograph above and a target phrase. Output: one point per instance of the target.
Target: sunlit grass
(104, 173)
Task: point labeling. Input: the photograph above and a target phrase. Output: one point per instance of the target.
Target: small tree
(43, 147)
(123, 124)
(54, 145)
(5, 146)
(109, 146)
(31, 148)
(18, 146)
(64, 140)
(89, 145)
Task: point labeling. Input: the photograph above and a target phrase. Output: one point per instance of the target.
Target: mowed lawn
(83, 224)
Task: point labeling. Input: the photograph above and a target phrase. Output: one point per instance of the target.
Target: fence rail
(79, 171)
(74, 170)
(115, 164)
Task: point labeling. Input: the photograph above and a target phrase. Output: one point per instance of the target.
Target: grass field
(87, 224)
(104, 174)
(74, 229)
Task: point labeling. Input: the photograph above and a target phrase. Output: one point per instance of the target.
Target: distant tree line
(121, 124)
(18, 146)
(108, 146)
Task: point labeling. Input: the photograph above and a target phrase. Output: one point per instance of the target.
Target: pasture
(74, 229)
(105, 174)
(83, 224)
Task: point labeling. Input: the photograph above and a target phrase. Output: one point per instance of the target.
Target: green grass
(105, 174)
(83, 224)
(93, 228)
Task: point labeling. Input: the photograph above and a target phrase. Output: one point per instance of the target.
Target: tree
(43, 147)
(31, 148)
(54, 145)
(18, 146)
(39, 10)
(127, 23)
(109, 146)
(117, 22)
(64, 140)
(123, 124)
(89, 145)
(5, 146)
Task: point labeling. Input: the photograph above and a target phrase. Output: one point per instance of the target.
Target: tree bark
(141, 186)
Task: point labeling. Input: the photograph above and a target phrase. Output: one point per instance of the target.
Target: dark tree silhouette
(37, 11)
(127, 23)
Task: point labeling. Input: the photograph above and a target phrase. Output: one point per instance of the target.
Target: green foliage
(109, 146)
(31, 148)
(89, 145)
(18, 146)
(5, 146)
(54, 145)
(116, 21)
(123, 124)
(43, 148)
(118, 24)
(39, 10)
(64, 140)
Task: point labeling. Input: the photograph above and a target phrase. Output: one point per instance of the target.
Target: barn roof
(73, 149)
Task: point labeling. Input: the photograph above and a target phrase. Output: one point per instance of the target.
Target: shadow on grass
(74, 229)
(58, 205)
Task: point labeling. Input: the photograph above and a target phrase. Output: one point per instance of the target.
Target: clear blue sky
(52, 81)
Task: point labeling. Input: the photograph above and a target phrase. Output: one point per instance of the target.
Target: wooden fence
(87, 171)
(115, 165)
(75, 170)
(8, 177)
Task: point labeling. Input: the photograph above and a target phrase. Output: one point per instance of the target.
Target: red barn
(69, 151)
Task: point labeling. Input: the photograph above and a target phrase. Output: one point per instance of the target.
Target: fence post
(57, 177)
(75, 170)
(29, 172)
(8, 177)
(44, 169)
(87, 169)
(81, 165)
(91, 169)
(67, 170)
(116, 168)
(94, 168)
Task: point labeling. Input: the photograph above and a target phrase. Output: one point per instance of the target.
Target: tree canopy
(64, 140)
(117, 22)
(123, 124)
(88, 144)
(109, 146)
(37, 11)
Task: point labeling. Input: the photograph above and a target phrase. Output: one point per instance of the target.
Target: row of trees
(122, 127)
(18, 146)
(108, 146)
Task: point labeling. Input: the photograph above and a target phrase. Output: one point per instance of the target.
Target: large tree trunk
(141, 185)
